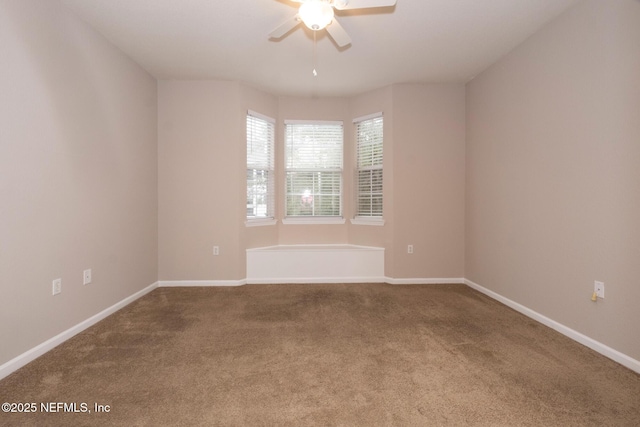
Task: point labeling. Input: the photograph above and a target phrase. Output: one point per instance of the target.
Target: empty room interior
(415, 213)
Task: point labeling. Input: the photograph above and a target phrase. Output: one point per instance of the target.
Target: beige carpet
(330, 355)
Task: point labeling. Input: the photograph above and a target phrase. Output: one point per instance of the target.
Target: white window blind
(313, 167)
(369, 167)
(260, 166)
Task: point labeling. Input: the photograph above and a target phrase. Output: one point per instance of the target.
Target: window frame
(270, 217)
(373, 219)
(313, 219)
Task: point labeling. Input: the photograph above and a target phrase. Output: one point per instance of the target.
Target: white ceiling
(415, 41)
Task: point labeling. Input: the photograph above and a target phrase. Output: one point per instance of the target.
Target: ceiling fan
(318, 14)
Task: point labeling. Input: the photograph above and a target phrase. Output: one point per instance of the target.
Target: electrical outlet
(86, 277)
(57, 286)
(598, 288)
(410, 249)
(216, 250)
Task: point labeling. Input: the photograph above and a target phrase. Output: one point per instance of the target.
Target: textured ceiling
(415, 41)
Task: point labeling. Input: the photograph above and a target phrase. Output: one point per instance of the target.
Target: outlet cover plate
(86, 277)
(598, 288)
(57, 286)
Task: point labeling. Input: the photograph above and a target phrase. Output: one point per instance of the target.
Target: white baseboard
(199, 283)
(308, 280)
(597, 346)
(432, 281)
(37, 351)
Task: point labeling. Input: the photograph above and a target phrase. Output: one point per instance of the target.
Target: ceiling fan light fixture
(316, 14)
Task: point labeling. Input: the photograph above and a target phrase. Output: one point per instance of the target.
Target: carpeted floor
(330, 355)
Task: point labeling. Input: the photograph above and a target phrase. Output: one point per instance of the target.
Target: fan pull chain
(315, 55)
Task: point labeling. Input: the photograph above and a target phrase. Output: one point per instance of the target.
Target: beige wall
(202, 184)
(200, 168)
(428, 180)
(553, 148)
(78, 176)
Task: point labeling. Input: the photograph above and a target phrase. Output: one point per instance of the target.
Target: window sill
(367, 221)
(313, 221)
(260, 222)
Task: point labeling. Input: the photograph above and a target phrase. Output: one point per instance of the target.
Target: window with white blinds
(369, 167)
(313, 169)
(260, 167)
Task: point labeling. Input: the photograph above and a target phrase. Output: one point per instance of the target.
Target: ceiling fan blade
(362, 4)
(338, 34)
(286, 26)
